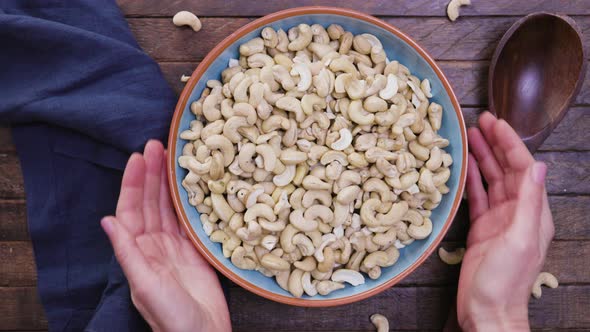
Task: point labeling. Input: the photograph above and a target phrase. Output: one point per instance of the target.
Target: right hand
(511, 229)
(172, 285)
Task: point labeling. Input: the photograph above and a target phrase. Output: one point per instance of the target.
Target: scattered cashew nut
(381, 323)
(451, 257)
(187, 18)
(544, 278)
(453, 8)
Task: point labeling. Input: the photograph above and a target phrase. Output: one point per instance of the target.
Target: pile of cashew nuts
(315, 158)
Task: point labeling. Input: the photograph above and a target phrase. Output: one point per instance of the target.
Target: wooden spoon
(535, 73)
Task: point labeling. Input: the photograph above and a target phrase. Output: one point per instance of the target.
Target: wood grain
(566, 260)
(11, 178)
(468, 79)
(406, 307)
(564, 307)
(568, 172)
(21, 309)
(570, 214)
(17, 267)
(466, 39)
(571, 133)
(375, 7)
(13, 220)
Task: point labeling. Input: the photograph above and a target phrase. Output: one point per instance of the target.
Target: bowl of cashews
(317, 156)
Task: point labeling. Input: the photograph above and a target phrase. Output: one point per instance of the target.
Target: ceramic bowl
(399, 47)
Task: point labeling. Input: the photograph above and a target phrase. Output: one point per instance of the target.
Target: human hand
(172, 286)
(511, 229)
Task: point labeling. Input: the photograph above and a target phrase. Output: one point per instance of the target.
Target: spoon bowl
(535, 73)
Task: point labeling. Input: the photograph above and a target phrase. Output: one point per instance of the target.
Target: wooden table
(421, 301)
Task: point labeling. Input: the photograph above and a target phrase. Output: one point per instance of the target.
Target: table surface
(421, 301)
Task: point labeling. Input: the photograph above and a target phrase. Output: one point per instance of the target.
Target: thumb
(527, 217)
(126, 250)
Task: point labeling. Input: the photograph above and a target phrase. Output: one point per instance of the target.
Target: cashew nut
(326, 287)
(451, 257)
(544, 278)
(453, 8)
(295, 285)
(381, 323)
(350, 276)
(187, 18)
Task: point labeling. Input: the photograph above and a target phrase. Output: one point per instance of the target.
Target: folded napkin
(80, 95)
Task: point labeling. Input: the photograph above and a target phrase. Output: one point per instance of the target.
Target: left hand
(172, 286)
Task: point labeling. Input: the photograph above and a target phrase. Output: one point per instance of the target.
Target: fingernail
(108, 225)
(539, 172)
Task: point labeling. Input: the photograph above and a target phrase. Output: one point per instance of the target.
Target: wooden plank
(468, 79)
(568, 172)
(570, 214)
(172, 72)
(13, 220)
(466, 39)
(6, 144)
(21, 309)
(375, 7)
(17, 267)
(570, 134)
(164, 41)
(469, 82)
(566, 260)
(407, 308)
(11, 178)
(564, 307)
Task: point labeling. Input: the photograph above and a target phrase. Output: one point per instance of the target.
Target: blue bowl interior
(396, 49)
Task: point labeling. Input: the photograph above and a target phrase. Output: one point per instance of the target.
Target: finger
(527, 217)
(476, 194)
(512, 148)
(491, 170)
(547, 226)
(496, 193)
(126, 250)
(167, 213)
(487, 122)
(153, 156)
(130, 205)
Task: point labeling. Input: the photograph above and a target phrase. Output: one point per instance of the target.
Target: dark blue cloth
(81, 95)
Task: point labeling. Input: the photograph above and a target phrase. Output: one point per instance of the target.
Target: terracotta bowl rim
(196, 76)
